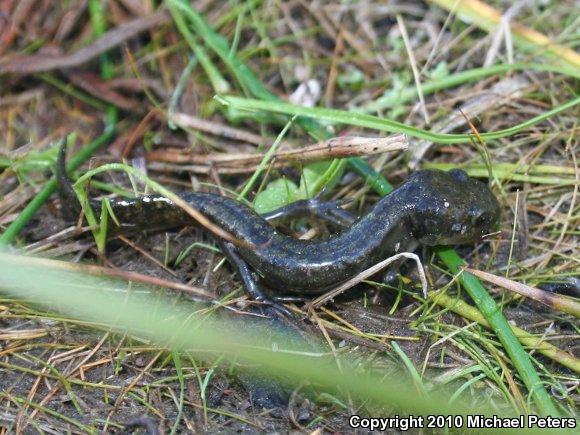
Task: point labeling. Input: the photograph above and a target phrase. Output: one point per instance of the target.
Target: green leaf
(34, 161)
(440, 72)
(278, 193)
(315, 177)
(319, 175)
(394, 96)
(353, 79)
(311, 174)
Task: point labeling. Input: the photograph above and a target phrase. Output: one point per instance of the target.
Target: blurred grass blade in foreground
(106, 303)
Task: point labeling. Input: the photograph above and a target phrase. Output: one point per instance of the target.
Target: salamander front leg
(328, 211)
(250, 280)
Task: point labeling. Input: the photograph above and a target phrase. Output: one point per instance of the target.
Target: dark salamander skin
(431, 207)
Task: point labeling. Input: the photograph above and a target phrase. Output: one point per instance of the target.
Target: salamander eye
(459, 174)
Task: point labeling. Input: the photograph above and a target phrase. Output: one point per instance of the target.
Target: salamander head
(451, 208)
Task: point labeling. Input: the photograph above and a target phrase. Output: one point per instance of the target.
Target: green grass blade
(50, 187)
(213, 73)
(221, 47)
(267, 157)
(458, 78)
(409, 93)
(148, 316)
(537, 343)
(411, 369)
(336, 116)
(486, 304)
(179, 370)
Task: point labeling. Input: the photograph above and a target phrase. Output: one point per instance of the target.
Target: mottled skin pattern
(431, 207)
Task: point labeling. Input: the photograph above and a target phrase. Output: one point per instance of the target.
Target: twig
(414, 68)
(101, 271)
(42, 63)
(369, 272)
(556, 301)
(333, 148)
(187, 121)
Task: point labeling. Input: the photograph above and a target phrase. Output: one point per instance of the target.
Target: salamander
(431, 207)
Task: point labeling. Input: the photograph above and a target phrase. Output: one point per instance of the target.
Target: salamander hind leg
(250, 282)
